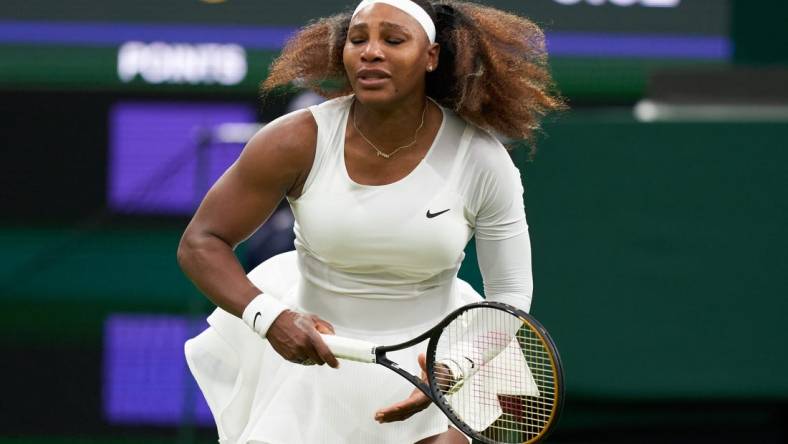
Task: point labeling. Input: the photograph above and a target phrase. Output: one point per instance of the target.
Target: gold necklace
(388, 155)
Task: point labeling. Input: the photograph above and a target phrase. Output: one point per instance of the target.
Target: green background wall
(759, 32)
(659, 260)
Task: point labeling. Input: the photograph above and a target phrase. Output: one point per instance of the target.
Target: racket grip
(350, 349)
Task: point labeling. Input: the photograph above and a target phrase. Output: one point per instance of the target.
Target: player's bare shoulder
(282, 152)
(289, 139)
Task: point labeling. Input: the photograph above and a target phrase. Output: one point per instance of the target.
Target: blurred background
(657, 208)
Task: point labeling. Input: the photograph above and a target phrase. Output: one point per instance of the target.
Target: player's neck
(392, 121)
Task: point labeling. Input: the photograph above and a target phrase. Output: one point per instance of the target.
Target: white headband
(412, 9)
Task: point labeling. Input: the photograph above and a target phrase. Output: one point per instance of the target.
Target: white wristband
(261, 313)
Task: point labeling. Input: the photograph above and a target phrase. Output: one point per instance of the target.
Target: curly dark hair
(493, 66)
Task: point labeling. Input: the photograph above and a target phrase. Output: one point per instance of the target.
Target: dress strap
(331, 117)
(462, 152)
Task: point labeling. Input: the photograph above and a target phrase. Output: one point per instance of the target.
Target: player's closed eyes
(391, 41)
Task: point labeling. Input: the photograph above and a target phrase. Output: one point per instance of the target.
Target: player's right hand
(296, 337)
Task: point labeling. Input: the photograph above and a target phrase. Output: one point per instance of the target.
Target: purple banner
(561, 44)
(162, 159)
(113, 34)
(146, 380)
(638, 46)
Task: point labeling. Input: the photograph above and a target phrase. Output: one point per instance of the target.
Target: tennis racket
(491, 368)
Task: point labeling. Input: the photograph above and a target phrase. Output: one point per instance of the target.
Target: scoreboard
(672, 16)
(596, 46)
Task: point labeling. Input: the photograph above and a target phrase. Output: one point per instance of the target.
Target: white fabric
(255, 396)
(372, 263)
(409, 7)
(261, 312)
(476, 403)
(484, 345)
(505, 266)
(377, 241)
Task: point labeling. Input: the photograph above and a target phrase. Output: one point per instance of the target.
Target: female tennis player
(388, 181)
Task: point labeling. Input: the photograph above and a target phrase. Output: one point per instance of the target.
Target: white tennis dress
(379, 263)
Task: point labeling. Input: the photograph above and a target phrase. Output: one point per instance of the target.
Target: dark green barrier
(659, 256)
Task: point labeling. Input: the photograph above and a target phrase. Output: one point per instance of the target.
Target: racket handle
(350, 349)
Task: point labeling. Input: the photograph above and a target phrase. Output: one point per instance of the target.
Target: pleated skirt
(256, 396)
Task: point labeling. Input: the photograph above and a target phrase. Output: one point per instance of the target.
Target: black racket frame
(432, 391)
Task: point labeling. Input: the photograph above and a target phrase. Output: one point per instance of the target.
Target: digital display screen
(700, 17)
(227, 46)
(145, 376)
(163, 156)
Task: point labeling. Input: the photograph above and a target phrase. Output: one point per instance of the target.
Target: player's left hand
(416, 402)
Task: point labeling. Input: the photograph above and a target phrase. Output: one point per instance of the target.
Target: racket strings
(496, 375)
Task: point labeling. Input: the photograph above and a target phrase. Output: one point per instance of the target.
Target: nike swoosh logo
(431, 215)
(255, 319)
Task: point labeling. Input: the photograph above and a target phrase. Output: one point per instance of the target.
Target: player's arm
(503, 245)
(273, 164)
(503, 251)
